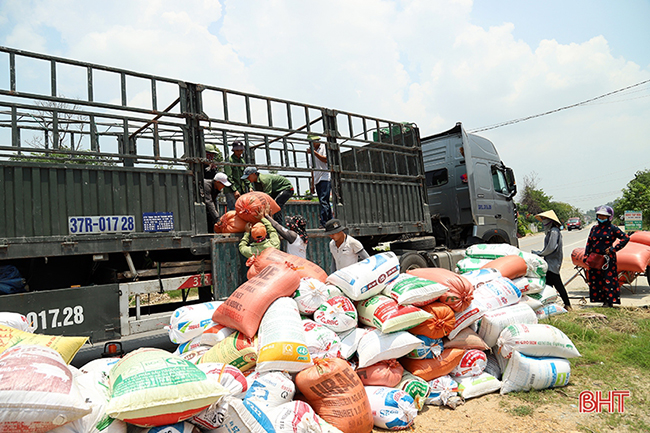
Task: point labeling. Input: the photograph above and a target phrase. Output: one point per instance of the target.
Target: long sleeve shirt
(552, 251)
(248, 247)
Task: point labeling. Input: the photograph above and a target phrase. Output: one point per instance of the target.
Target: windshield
(574, 220)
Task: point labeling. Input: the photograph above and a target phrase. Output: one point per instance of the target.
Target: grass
(615, 348)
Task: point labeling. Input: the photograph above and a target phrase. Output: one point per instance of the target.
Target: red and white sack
(465, 318)
(472, 363)
(215, 333)
(350, 341)
(384, 313)
(536, 340)
(38, 392)
(16, 321)
(376, 346)
(411, 290)
(441, 389)
(528, 285)
(271, 389)
(366, 278)
(493, 322)
(337, 313)
(392, 409)
(294, 417)
(311, 293)
(476, 386)
(190, 321)
(321, 341)
(497, 293)
(524, 373)
(282, 342)
(230, 378)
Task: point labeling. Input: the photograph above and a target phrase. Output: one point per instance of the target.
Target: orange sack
(440, 325)
(634, 257)
(244, 308)
(230, 223)
(383, 373)
(335, 392)
(304, 267)
(461, 291)
(641, 237)
(253, 206)
(429, 369)
(509, 266)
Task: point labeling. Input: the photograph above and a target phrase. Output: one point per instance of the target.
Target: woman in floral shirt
(603, 283)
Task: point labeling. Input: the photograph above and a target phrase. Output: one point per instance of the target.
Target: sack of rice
(481, 276)
(338, 314)
(491, 251)
(383, 373)
(350, 341)
(469, 264)
(509, 266)
(547, 296)
(428, 349)
(493, 322)
(411, 290)
(467, 317)
(497, 293)
(536, 265)
(311, 293)
(236, 350)
(392, 409)
(321, 341)
(16, 321)
(441, 390)
(535, 340)
(524, 373)
(460, 293)
(67, 347)
(384, 313)
(476, 386)
(472, 363)
(271, 389)
(230, 378)
(440, 324)
(547, 311)
(294, 417)
(414, 386)
(190, 321)
(466, 339)
(528, 285)
(179, 427)
(429, 369)
(376, 346)
(368, 277)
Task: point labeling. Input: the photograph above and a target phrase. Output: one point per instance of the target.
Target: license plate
(101, 224)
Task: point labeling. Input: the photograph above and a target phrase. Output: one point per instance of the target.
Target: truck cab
(469, 190)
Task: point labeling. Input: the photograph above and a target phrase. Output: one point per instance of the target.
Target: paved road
(577, 288)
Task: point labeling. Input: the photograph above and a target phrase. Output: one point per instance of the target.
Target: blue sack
(10, 280)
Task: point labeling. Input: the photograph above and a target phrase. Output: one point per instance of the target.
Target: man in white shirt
(321, 178)
(345, 249)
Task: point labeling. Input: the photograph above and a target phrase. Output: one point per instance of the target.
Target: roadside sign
(633, 220)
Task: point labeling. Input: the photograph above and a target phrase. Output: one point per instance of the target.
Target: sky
(431, 62)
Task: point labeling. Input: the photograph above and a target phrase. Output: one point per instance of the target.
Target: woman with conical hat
(552, 253)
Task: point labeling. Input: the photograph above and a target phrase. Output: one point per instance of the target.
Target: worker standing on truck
(239, 186)
(278, 187)
(321, 182)
(210, 169)
(345, 249)
(257, 238)
(211, 190)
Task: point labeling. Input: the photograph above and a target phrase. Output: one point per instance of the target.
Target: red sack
(440, 325)
(384, 373)
(336, 393)
(253, 206)
(578, 258)
(634, 257)
(304, 267)
(230, 223)
(640, 238)
(509, 266)
(429, 369)
(460, 292)
(244, 308)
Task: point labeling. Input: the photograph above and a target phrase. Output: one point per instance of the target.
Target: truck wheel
(647, 273)
(412, 261)
(423, 243)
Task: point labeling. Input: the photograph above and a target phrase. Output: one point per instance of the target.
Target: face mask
(602, 220)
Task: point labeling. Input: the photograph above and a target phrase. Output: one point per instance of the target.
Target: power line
(523, 119)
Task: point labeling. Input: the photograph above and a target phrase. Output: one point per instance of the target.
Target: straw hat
(550, 215)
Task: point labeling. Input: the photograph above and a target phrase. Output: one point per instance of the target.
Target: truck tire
(412, 261)
(647, 273)
(423, 243)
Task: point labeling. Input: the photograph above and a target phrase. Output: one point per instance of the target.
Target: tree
(534, 200)
(68, 124)
(636, 196)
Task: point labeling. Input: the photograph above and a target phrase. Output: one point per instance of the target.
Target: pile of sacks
(296, 350)
(249, 208)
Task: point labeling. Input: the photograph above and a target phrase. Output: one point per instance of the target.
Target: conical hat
(550, 215)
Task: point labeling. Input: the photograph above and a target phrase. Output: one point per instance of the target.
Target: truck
(101, 171)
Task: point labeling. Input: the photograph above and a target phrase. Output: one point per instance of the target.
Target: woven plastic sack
(466, 339)
(547, 296)
(634, 257)
(411, 290)
(497, 293)
(243, 416)
(469, 264)
(194, 356)
(244, 308)
(190, 321)
(271, 389)
(392, 409)
(384, 373)
(493, 322)
(230, 378)
(322, 342)
(476, 386)
(641, 237)
(151, 387)
(303, 267)
(440, 323)
(311, 294)
(230, 222)
(253, 206)
(441, 390)
(384, 313)
(67, 347)
(524, 373)
(428, 349)
(481, 276)
(214, 333)
(491, 251)
(508, 266)
(492, 367)
(536, 265)
(282, 342)
(179, 427)
(376, 346)
(547, 311)
(536, 340)
(350, 341)
(236, 349)
(16, 321)
(528, 285)
(368, 277)
(429, 369)
(335, 392)
(294, 417)
(460, 293)
(38, 392)
(472, 363)
(192, 345)
(337, 313)
(467, 317)
(415, 387)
